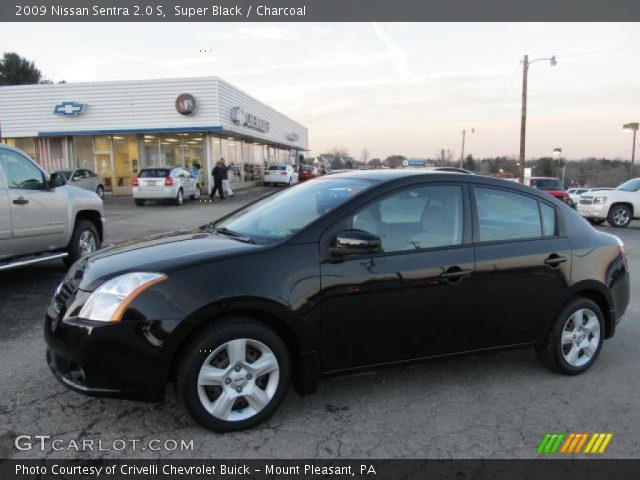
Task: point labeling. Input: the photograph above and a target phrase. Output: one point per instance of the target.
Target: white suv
(618, 207)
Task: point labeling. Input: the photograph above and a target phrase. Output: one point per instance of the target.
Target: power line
(596, 52)
(504, 95)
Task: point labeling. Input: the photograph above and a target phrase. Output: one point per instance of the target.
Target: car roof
(393, 173)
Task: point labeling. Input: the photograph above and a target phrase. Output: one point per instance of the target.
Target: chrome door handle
(21, 201)
(455, 274)
(554, 260)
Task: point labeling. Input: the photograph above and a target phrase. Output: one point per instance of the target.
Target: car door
(523, 266)
(5, 219)
(411, 300)
(38, 215)
(79, 179)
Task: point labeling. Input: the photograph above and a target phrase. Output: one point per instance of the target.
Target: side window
(506, 216)
(20, 172)
(415, 218)
(548, 215)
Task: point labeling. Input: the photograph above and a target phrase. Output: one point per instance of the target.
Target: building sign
(293, 137)
(69, 109)
(186, 104)
(240, 117)
(414, 163)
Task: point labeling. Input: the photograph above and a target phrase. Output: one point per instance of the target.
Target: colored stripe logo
(573, 443)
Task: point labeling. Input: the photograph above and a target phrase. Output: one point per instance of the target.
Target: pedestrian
(226, 181)
(218, 175)
(323, 171)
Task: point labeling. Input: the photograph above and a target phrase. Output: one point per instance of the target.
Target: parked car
(357, 270)
(280, 175)
(307, 172)
(574, 194)
(83, 178)
(618, 207)
(553, 187)
(165, 183)
(42, 218)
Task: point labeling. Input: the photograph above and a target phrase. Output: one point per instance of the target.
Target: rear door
(523, 266)
(38, 216)
(5, 218)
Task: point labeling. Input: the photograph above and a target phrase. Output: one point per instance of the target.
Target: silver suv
(165, 183)
(41, 217)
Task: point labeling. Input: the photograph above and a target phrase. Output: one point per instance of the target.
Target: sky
(392, 88)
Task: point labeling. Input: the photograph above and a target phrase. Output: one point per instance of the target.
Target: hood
(162, 253)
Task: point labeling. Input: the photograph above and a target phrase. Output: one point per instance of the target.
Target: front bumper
(593, 211)
(119, 360)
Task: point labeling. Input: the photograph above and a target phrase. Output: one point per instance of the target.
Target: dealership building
(117, 128)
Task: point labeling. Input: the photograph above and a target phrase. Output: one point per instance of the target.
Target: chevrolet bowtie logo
(69, 109)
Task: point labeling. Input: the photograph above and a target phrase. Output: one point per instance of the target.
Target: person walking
(226, 181)
(218, 173)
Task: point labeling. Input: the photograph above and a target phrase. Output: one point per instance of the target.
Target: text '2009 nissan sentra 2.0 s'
(348, 272)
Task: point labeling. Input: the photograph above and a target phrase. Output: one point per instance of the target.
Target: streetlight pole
(633, 126)
(557, 152)
(523, 118)
(464, 133)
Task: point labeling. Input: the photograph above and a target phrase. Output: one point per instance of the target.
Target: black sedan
(356, 270)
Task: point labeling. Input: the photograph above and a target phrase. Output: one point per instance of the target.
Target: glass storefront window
(125, 160)
(170, 150)
(27, 145)
(83, 153)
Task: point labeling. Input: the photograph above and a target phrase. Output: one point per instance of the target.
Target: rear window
(278, 167)
(547, 184)
(66, 173)
(154, 173)
(306, 168)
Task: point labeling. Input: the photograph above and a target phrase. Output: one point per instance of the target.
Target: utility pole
(442, 157)
(523, 119)
(464, 132)
(633, 127)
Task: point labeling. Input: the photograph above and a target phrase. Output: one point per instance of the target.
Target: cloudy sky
(408, 88)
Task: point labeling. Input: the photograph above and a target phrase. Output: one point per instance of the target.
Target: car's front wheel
(197, 194)
(234, 375)
(619, 216)
(576, 338)
(179, 200)
(100, 191)
(85, 240)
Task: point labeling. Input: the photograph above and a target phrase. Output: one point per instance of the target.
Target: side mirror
(351, 242)
(56, 180)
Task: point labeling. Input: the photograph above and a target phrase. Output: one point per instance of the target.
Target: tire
(179, 200)
(85, 240)
(560, 351)
(619, 216)
(198, 194)
(210, 349)
(100, 191)
(139, 202)
(290, 182)
(596, 221)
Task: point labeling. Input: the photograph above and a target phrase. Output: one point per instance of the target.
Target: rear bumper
(165, 193)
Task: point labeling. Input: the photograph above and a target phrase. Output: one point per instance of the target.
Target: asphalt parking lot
(496, 405)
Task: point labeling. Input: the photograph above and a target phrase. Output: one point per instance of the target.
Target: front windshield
(630, 185)
(281, 215)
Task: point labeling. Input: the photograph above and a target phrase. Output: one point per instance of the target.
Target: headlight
(600, 200)
(109, 301)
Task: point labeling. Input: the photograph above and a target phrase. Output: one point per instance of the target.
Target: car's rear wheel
(100, 191)
(196, 196)
(139, 202)
(234, 375)
(85, 240)
(576, 338)
(179, 200)
(619, 216)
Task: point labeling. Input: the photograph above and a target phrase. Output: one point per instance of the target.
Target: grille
(66, 292)
(586, 200)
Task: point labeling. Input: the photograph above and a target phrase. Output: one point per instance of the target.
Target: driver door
(38, 216)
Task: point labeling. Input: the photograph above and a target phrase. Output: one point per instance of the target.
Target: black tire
(596, 221)
(199, 350)
(139, 202)
(179, 200)
(620, 216)
(198, 193)
(551, 352)
(74, 248)
(100, 191)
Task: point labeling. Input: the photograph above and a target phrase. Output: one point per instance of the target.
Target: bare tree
(365, 155)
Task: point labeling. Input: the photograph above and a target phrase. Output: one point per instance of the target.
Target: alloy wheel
(580, 337)
(196, 196)
(238, 379)
(621, 216)
(87, 243)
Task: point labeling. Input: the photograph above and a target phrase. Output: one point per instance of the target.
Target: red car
(307, 172)
(552, 186)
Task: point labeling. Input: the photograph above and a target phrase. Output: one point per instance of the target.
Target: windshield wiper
(230, 233)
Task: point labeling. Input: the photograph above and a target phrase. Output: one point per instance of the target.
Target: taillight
(135, 182)
(168, 182)
(283, 173)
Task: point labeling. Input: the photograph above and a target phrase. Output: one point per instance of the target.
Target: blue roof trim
(115, 131)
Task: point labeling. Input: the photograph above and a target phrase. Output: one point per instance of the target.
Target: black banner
(540, 469)
(317, 10)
